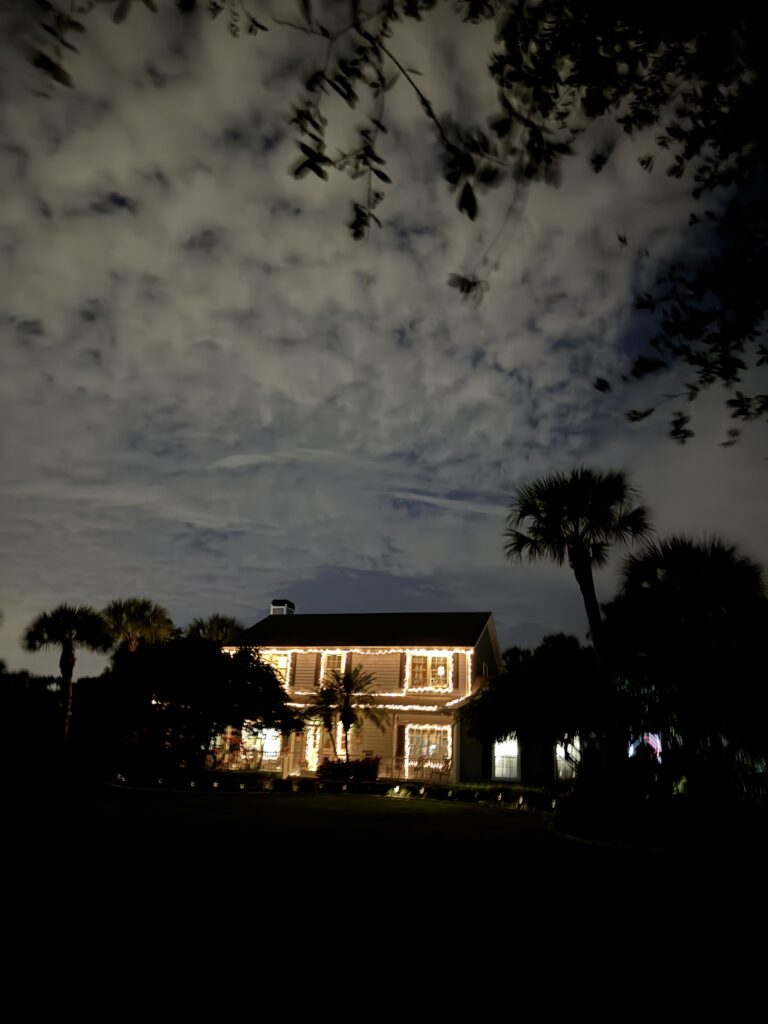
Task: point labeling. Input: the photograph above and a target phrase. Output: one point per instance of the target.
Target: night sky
(211, 395)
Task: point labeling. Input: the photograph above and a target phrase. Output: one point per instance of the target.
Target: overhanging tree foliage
(693, 74)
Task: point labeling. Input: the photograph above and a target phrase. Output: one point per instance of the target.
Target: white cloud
(225, 396)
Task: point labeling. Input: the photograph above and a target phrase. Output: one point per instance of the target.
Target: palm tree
(687, 633)
(68, 627)
(137, 619)
(346, 698)
(219, 629)
(576, 516)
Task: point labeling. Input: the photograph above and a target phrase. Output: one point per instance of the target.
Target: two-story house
(422, 663)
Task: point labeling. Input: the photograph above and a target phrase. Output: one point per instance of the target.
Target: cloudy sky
(211, 395)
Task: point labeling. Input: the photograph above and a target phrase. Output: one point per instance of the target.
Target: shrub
(364, 769)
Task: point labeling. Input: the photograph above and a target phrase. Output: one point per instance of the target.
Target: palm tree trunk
(67, 669)
(346, 742)
(582, 570)
(611, 748)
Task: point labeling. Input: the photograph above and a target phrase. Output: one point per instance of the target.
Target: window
(432, 673)
(506, 759)
(567, 756)
(335, 662)
(281, 663)
(427, 748)
(262, 749)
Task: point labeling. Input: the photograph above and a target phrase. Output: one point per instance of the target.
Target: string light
(440, 680)
(437, 763)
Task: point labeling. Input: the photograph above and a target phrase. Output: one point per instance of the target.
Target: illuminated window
(335, 662)
(427, 747)
(280, 663)
(506, 759)
(567, 756)
(419, 670)
(431, 673)
(262, 749)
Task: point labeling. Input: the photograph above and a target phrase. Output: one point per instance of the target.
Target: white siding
(384, 667)
(373, 740)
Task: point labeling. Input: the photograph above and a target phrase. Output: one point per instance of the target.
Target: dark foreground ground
(98, 830)
(99, 877)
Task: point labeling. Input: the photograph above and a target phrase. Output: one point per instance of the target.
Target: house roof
(375, 629)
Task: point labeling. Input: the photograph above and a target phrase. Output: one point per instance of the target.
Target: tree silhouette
(347, 699)
(221, 629)
(68, 627)
(137, 620)
(686, 634)
(544, 696)
(576, 517)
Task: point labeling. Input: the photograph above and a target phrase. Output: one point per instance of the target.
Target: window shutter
(455, 676)
(402, 669)
(400, 748)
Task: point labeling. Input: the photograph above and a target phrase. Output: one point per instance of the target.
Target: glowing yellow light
(312, 747)
(437, 763)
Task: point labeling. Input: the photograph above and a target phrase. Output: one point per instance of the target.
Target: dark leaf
(643, 366)
(122, 11)
(44, 63)
(306, 10)
(315, 81)
(468, 202)
(601, 384)
(636, 415)
(679, 430)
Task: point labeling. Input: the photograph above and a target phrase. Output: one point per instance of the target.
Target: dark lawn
(158, 877)
(291, 835)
